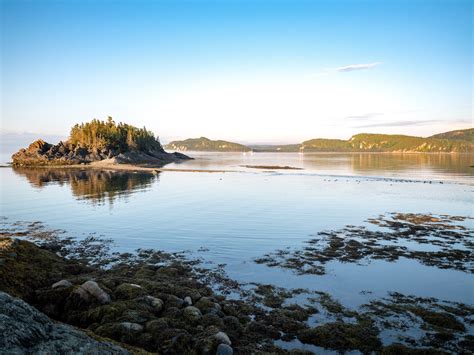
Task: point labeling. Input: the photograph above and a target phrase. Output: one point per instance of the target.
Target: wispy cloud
(364, 116)
(353, 67)
(399, 124)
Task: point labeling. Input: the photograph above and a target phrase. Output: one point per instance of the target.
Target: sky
(252, 71)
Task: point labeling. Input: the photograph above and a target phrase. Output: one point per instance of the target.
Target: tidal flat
(338, 257)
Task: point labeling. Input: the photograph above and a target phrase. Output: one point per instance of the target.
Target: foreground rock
(24, 329)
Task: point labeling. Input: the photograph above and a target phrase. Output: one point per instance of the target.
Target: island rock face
(25, 330)
(206, 145)
(99, 141)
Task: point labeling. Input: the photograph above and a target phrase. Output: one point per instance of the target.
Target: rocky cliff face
(41, 153)
(25, 330)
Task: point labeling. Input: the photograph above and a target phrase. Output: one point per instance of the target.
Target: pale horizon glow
(371, 68)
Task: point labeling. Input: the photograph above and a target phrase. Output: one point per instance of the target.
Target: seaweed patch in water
(450, 244)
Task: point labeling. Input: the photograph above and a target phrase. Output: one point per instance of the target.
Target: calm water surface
(244, 213)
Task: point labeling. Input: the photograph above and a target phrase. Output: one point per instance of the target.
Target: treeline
(121, 137)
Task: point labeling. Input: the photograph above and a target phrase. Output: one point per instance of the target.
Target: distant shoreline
(333, 152)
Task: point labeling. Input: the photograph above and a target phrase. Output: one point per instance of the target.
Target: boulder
(222, 338)
(224, 349)
(25, 330)
(91, 289)
(188, 301)
(155, 303)
(132, 327)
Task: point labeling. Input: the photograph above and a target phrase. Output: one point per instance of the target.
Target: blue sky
(252, 71)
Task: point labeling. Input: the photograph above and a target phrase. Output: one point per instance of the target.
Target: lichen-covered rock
(25, 330)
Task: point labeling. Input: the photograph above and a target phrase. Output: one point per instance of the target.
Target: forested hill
(366, 142)
(448, 142)
(207, 145)
(460, 134)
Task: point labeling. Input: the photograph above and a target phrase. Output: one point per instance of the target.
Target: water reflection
(446, 163)
(419, 166)
(93, 185)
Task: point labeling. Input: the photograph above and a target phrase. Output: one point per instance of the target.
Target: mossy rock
(439, 319)
(206, 305)
(343, 336)
(397, 349)
(128, 291)
(27, 268)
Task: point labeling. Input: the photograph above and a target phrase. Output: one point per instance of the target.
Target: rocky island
(101, 143)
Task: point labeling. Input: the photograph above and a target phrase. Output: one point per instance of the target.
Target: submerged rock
(25, 330)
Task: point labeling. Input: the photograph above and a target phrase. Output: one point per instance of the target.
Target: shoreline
(280, 171)
(153, 300)
(121, 167)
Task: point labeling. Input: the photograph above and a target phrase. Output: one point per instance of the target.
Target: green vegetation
(400, 143)
(366, 142)
(460, 134)
(206, 145)
(122, 137)
(326, 145)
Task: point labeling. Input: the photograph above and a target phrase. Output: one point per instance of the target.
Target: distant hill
(206, 145)
(288, 148)
(366, 142)
(460, 134)
(387, 143)
(454, 141)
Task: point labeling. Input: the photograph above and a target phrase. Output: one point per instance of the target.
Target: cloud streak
(365, 116)
(399, 124)
(353, 67)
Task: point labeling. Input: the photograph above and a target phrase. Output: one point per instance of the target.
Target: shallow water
(238, 216)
